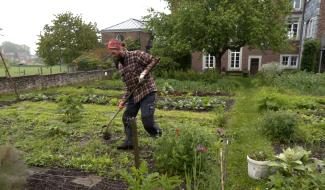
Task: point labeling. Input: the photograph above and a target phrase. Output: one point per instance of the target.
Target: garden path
(242, 124)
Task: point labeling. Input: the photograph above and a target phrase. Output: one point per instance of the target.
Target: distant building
(17, 57)
(133, 29)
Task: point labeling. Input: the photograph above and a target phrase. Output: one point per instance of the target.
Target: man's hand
(142, 75)
(121, 104)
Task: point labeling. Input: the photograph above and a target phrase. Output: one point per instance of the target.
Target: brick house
(305, 22)
(133, 29)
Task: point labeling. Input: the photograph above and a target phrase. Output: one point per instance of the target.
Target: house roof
(128, 25)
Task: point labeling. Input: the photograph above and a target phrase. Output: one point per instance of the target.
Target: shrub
(13, 172)
(187, 148)
(93, 59)
(71, 107)
(310, 56)
(279, 126)
(270, 72)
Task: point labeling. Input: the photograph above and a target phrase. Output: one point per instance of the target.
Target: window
(119, 37)
(209, 62)
(293, 30)
(234, 60)
(296, 4)
(311, 28)
(289, 61)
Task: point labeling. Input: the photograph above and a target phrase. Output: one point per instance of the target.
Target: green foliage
(210, 76)
(167, 89)
(225, 85)
(271, 100)
(141, 179)
(71, 107)
(269, 73)
(259, 156)
(66, 39)
(310, 55)
(216, 26)
(191, 103)
(92, 163)
(132, 45)
(297, 170)
(301, 82)
(93, 59)
(13, 172)
(174, 153)
(279, 126)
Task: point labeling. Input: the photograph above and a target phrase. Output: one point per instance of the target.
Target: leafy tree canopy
(66, 39)
(214, 26)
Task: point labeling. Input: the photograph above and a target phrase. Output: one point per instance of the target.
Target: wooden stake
(133, 124)
(13, 83)
(221, 169)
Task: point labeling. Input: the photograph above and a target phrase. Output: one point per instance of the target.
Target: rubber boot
(127, 144)
(151, 127)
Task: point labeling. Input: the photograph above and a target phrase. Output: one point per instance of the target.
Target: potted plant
(258, 165)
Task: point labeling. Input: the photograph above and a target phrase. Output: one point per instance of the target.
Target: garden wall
(42, 81)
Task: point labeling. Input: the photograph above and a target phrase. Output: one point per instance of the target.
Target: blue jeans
(147, 106)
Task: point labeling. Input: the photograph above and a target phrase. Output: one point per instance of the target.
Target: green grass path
(243, 122)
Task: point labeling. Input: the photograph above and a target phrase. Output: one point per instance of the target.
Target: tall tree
(66, 39)
(214, 26)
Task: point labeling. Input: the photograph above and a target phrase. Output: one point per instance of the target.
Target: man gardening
(134, 67)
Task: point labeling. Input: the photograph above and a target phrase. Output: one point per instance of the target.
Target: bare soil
(69, 179)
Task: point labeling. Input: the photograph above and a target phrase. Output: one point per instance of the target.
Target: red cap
(114, 44)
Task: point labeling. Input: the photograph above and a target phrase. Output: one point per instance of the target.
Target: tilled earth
(69, 179)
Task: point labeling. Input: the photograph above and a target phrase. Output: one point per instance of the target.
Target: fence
(25, 70)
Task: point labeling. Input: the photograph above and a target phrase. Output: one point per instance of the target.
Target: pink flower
(201, 148)
(177, 132)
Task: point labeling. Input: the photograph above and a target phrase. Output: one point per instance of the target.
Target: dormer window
(120, 37)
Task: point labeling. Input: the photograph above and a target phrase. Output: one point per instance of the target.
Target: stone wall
(43, 81)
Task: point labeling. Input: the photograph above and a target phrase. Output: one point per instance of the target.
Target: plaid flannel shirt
(134, 63)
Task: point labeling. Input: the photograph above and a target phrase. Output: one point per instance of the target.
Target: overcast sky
(23, 20)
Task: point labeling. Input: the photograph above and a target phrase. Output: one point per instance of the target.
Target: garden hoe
(107, 135)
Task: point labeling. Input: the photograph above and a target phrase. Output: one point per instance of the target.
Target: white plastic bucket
(257, 169)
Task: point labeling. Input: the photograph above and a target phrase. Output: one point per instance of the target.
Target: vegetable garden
(208, 130)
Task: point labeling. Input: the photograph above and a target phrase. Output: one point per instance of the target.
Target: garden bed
(69, 179)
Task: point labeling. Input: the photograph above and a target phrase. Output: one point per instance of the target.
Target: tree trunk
(218, 57)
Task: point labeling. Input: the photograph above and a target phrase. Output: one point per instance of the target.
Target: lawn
(33, 70)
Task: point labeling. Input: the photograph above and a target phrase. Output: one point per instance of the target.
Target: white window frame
(290, 33)
(255, 57)
(209, 57)
(240, 60)
(311, 28)
(289, 66)
(294, 5)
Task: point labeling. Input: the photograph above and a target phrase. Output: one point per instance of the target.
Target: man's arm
(122, 102)
(148, 61)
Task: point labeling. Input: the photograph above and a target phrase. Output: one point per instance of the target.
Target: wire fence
(24, 70)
